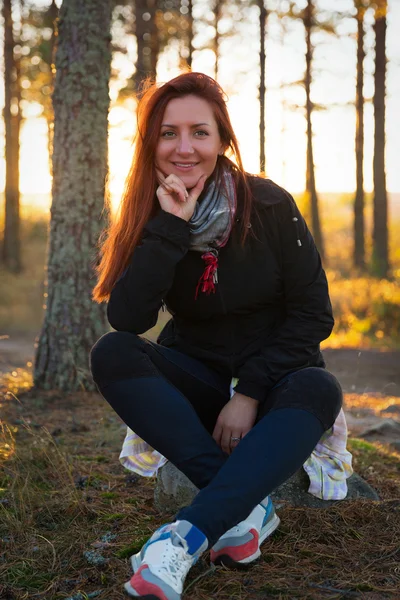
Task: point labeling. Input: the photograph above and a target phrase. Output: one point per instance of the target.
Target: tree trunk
(311, 190)
(73, 322)
(189, 59)
(216, 41)
(12, 118)
(263, 21)
(359, 227)
(147, 41)
(52, 15)
(380, 255)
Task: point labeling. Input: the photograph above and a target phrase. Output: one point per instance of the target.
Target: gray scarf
(211, 222)
(211, 225)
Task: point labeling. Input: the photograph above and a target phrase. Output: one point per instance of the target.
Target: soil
(370, 380)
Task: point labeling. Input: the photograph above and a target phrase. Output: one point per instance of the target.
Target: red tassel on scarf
(208, 280)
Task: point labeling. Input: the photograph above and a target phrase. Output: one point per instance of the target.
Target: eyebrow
(175, 126)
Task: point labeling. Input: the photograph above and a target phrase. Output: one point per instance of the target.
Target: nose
(185, 146)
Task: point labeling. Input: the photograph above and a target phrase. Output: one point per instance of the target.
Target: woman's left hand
(234, 421)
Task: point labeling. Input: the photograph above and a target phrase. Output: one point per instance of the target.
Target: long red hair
(139, 202)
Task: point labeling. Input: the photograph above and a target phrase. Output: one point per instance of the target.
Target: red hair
(139, 202)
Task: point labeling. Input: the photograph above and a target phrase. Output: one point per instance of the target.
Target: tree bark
(147, 42)
(359, 225)
(11, 251)
(262, 89)
(189, 59)
(216, 41)
(52, 15)
(73, 322)
(311, 190)
(380, 253)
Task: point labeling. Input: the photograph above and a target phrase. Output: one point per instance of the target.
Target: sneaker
(162, 564)
(240, 546)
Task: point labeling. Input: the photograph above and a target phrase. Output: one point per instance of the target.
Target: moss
(109, 495)
(132, 548)
(112, 517)
(362, 445)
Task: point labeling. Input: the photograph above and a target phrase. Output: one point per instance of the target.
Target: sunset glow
(334, 127)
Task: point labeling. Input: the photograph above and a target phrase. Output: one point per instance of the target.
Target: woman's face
(189, 141)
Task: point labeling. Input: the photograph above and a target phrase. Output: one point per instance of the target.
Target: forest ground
(70, 515)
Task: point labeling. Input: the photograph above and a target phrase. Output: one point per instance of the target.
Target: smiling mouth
(185, 165)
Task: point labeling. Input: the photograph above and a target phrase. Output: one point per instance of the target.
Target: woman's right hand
(174, 197)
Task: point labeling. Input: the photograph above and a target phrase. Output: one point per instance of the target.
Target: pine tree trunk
(189, 59)
(147, 41)
(11, 251)
(72, 321)
(263, 21)
(359, 227)
(52, 15)
(380, 254)
(311, 190)
(216, 41)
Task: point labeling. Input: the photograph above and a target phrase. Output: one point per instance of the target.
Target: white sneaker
(240, 545)
(161, 566)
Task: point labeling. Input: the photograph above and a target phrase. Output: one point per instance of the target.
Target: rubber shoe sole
(129, 589)
(146, 596)
(228, 561)
(135, 562)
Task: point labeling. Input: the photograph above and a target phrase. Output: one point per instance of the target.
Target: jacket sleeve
(137, 295)
(308, 319)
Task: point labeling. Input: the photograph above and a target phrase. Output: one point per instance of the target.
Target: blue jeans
(172, 401)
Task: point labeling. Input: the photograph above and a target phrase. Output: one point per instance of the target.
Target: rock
(294, 492)
(393, 409)
(174, 490)
(388, 428)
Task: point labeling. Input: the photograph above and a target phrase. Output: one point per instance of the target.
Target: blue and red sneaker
(161, 566)
(240, 545)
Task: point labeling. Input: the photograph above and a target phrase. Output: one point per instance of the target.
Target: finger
(198, 188)
(167, 188)
(162, 181)
(235, 439)
(174, 188)
(217, 433)
(175, 182)
(226, 441)
(174, 179)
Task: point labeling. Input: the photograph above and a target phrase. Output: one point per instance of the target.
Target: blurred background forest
(314, 91)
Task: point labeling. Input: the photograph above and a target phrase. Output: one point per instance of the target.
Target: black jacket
(271, 308)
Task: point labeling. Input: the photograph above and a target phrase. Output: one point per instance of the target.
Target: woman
(233, 261)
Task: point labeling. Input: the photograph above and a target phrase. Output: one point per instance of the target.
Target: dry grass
(70, 516)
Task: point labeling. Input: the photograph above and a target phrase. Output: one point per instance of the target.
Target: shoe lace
(176, 563)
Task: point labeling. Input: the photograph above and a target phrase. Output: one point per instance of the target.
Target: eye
(168, 134)
(201, 133)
